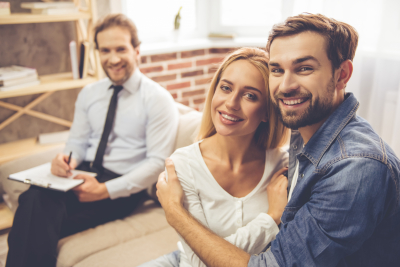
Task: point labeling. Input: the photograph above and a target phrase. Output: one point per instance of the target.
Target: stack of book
(16, 77)
(50, 8)
(4, 8)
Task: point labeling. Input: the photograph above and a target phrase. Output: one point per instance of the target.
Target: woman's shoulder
(184, 152)
(278, 156)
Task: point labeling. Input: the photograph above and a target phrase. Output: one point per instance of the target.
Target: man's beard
(318, 109)
(128, 73)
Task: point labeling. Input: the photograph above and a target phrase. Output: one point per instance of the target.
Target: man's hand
(277, 195)
(60, 167)
(170, 193)
(91, 190)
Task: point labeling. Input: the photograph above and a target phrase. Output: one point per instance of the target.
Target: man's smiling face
(301, 79)
(117, 55)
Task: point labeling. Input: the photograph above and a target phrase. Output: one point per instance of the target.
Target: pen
(69, 160)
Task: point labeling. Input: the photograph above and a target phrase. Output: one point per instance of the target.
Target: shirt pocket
(289, 213)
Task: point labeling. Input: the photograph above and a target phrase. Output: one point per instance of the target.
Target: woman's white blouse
(241, 221)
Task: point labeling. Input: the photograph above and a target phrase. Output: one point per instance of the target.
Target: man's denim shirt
(344, 210)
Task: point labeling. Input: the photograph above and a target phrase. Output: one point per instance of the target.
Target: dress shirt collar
(133, 83)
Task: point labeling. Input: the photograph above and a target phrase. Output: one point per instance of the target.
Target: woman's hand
(277, 195)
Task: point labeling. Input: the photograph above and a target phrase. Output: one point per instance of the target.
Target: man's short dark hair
(117, 20)
(341, 38)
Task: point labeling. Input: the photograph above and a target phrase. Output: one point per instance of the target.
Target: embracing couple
(227, 195)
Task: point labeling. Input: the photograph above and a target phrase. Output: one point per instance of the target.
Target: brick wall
(185, 74)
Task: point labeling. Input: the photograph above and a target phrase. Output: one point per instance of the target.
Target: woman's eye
(225, 88)
(251, 96)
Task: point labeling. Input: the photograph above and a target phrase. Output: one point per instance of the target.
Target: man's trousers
(45, 216)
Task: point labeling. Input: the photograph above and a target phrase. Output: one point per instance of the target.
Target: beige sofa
(138, 238)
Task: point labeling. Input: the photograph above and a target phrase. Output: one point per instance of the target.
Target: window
(155, 18)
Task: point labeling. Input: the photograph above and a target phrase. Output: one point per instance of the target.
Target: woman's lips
(229, 119)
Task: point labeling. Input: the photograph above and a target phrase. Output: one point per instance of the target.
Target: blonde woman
(225, 174)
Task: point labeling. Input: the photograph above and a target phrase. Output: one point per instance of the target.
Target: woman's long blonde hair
(270, 134)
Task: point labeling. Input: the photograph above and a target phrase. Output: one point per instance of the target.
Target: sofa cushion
(148, 218)
(136, 251)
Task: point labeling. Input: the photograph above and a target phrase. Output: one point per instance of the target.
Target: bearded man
(344, 182)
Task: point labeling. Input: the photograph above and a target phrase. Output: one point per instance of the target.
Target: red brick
(194, 92)
(203, 81)
(212, 70)
(143, 59)
(208, 61)
(179, 65)
(174, 95)
(163, 57)
(185, 102)
(164, 78)
(193, 53)
(178, 85)
(221, 50)
(151, 69)
(199, 101)
(192, 73)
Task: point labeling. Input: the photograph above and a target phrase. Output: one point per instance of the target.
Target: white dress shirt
(241, 221)
(143, 134)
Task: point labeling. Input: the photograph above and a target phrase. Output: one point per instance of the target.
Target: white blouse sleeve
(191, 200)
(256, 235)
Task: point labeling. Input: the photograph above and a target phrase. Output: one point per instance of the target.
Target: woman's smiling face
(239, 103)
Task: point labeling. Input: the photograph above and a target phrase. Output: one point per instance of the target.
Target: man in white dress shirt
(124, 127)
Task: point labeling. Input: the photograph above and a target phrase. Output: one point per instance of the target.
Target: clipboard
(41, 176)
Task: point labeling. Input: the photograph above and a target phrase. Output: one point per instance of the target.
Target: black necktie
(98, 160)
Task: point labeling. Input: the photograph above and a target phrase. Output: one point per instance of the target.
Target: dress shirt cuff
(265, 259)
(117, 188)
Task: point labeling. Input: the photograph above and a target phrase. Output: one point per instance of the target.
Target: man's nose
(288, 83)
(233, 101)
(114, 58)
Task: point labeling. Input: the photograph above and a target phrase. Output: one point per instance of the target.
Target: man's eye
(121, 49)
(302, 69)
(275, 70)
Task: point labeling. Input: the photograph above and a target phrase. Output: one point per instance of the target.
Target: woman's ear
(343, 74)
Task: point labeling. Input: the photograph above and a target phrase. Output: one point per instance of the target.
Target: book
(19, 86)
(4, 8)
(55, 11)
(44, 5)
(15, 72)
(29, 78)
(84, 60)
(74, 60)
(42, 176)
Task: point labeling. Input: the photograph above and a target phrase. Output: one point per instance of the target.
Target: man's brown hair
(341, 38)
(117, 20)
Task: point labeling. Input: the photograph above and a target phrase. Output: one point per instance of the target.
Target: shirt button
(302, 175)
(238, 221)
(294, 147)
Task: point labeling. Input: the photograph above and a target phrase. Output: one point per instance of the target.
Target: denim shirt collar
(330, 129)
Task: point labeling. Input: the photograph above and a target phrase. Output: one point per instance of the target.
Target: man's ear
(137, 53)
(345, 71)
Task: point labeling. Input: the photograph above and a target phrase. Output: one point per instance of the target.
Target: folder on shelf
(84, 60)
(42, 176)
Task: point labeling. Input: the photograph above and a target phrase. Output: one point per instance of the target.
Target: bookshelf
(23, 18)
(84, 21)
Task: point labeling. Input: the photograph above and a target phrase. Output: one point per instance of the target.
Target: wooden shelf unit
(23, 18)
(49, 83)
